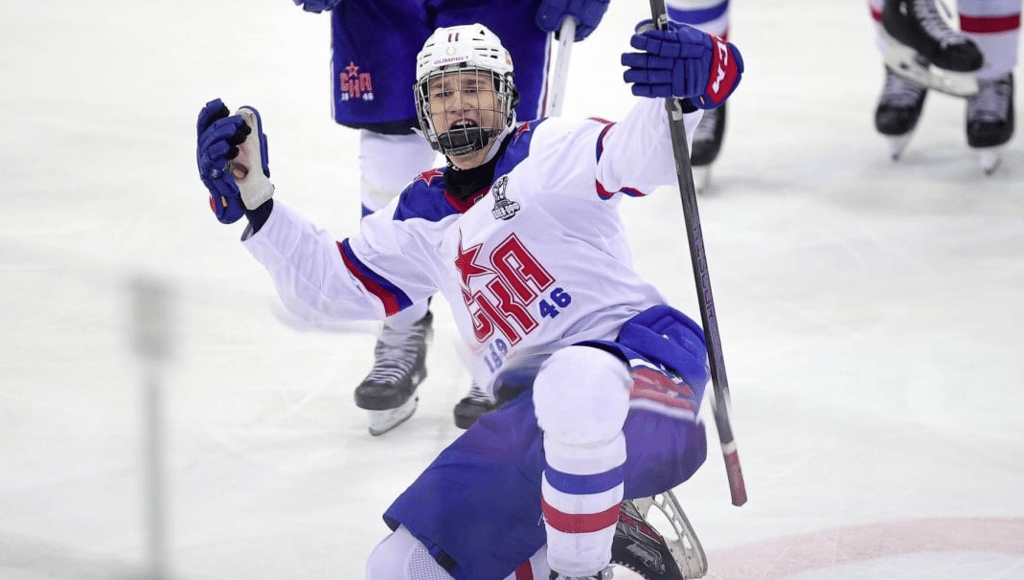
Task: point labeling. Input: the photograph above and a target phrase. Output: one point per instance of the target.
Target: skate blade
(682, 541)
(383, 421)
(989, 158)
(701, 178)
(897, 145)
(905, 62)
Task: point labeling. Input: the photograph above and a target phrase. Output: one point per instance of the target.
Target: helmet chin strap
(455, 142)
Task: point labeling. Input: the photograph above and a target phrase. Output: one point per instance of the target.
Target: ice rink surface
(871, 312)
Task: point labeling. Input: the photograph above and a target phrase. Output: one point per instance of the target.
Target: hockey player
(602, 380)
(923, 52)
(711, 16)
(374, 44)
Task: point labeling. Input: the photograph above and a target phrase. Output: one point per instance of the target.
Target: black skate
(389, 391)
(898, 110)
(922, 47)
(639, 547)
(990, 119)
(707, 142)
(469, 409)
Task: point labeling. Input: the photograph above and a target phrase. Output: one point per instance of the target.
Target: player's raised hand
(588, 14)
(682, 62)
(218, 137)
(229, 148)
(317, 6)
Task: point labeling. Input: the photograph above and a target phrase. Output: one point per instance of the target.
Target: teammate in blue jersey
(601, 379)
(374, 46)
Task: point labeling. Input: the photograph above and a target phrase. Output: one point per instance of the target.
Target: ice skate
(469, 409)
(898, 111)
(389, 391)
(922, 47)
(707, 142)
(990, 120)
(642, 548)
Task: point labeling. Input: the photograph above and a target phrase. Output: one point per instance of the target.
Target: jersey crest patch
(355, 84)
(504, 208)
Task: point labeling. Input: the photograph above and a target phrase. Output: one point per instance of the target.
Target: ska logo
(504, 209)
(513, 295)
(355, 84)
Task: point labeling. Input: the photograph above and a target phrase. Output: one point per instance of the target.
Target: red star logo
(522, 129)
(352, 69)
(428, 176)
(465, 265)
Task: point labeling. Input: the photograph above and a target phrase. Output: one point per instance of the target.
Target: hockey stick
(720, 396)
(556, 92)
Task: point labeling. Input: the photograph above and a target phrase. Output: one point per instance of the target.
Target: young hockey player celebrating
(601, 379)
(922, 52)
(373, 49)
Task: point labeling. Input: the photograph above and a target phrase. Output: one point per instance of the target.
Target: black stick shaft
(688, 195)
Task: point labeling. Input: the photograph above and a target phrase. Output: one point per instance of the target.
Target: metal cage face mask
(464, 90)
(462, 109)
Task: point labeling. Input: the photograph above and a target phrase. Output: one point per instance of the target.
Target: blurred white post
(152, 343)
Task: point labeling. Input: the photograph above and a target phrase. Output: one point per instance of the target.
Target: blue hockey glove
(229, 147)
(682, 62)
(218, 138)
(588, 14)
(317, 6)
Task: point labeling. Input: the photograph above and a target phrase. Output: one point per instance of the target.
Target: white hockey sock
(581, 397)
(995, 26)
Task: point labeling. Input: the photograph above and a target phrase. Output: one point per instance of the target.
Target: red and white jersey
(535, 262)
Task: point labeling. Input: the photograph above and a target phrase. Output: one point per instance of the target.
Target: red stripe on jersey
(602, 192)
(654, 386)
(525, 571)
(989, 24)
(387, 299)
(579, 523)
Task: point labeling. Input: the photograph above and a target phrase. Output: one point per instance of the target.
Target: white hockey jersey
(536, 262)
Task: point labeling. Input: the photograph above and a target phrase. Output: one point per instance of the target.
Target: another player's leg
(389, 391)
(711, 16)
(990, 119)
(472, 406)
(995, 26)
(921, 46)
(387, 164)
(898, 111)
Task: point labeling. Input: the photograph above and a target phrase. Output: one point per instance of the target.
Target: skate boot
(898, 110)
(923, 47)
(469, 409)
(389, 391)
(640, 546)
(707, 142)
(990, 119)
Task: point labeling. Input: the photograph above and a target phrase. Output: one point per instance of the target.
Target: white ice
(871, 312)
